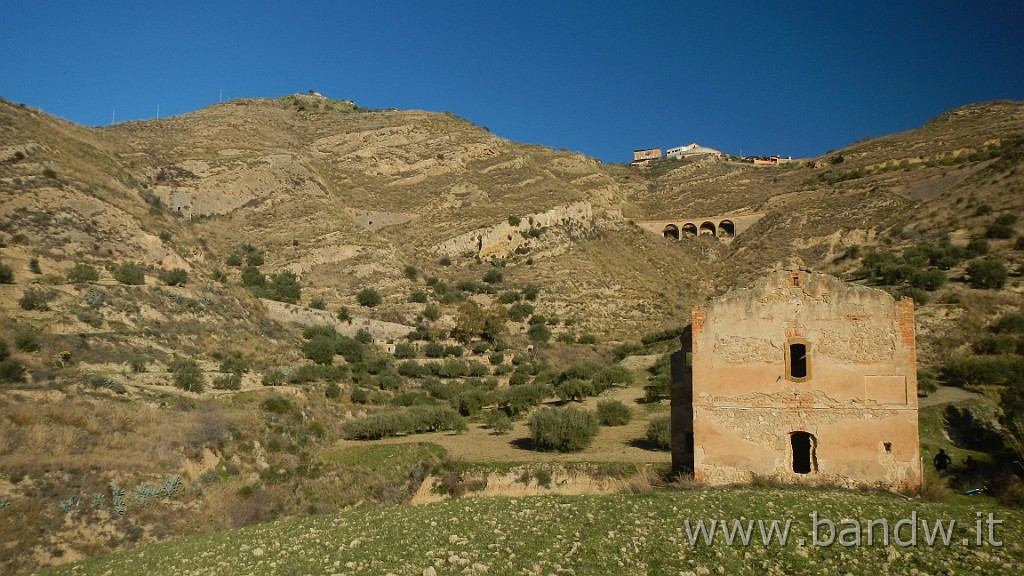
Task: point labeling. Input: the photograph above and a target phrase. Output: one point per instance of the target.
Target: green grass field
(620, 534)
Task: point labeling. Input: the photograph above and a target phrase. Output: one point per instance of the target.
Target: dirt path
(946, 395)
(613, 444)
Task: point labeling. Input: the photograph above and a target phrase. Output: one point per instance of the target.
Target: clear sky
(601, 78)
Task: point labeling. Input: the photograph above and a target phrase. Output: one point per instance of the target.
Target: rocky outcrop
(381, 331)
(504, 238)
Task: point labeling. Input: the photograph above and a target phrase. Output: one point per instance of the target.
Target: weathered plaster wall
(860, 395)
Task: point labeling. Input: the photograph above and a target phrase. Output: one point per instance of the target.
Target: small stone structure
(802, 378)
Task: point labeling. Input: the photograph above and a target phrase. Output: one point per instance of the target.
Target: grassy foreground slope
(621, 534)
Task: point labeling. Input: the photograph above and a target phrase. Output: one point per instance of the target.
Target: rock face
(382, 332)
(502, 239)
(802, 378)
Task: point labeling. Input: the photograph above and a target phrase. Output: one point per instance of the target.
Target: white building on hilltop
(689, 151)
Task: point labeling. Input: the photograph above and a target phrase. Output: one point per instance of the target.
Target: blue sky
(601, 78)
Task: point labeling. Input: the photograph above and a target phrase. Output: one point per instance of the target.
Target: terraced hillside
(459, 275)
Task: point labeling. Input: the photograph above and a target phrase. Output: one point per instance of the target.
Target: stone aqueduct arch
(722, 227)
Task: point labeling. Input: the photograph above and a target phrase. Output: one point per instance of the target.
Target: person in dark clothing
(942, 460)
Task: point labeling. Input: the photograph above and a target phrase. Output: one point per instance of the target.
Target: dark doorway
(671, 231)
(726, 229)
(803, 452)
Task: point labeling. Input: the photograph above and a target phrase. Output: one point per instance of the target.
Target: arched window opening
(707, 228)
(671, 231)
(689, 230)
(726, 229)
(805, 459)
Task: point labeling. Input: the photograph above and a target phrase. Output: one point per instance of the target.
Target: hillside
(451, 266)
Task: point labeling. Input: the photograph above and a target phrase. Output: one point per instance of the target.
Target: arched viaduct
(721, 227)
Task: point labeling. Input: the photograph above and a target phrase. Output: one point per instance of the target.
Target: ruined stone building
(800, 378)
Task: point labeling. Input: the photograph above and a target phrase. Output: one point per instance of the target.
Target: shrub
(28, 341)
(509, 297)
(445, 261)
(613, 413)
(138, 364)
(563, 430)
(997, 370)
(930, 280)
(987, 274)
(431, 312)
(411, 272)
(977, 247)
(496, 358)
(433, 350)
(6, 274)
(999, 231)
(363, 336)
(498, 421)
(284, 287)
(519, 398)
(33, 266)
(575, 390)
(919, 296)
(418, 296)
(368, 297)
(130, 273)
(587, 339)
(34, 299)
(273, 377)
(254, 257)
(320, 349)
(514, 220)
(333, 391)
(5, 352)
(1019, 244)
(1009, 324)
(344, 315)
(539, 332)
(233, 260)
(234, 364)
(318, 304)
(11, 370)
(187, 375)
(1007, 219)
(228, 382)
(531, 291)
(277, 405)
(609, 375)
(659, 432)
(82, 273)
(176, 277)
(493, 276)
(405, 350)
